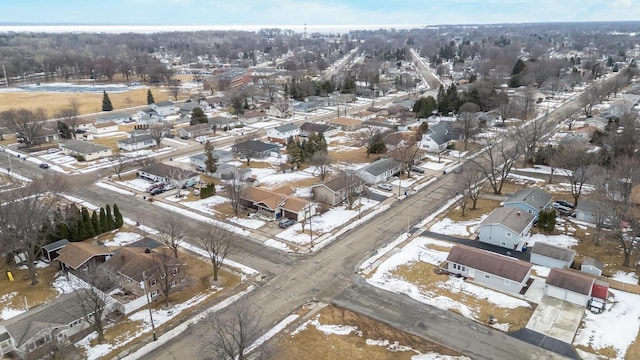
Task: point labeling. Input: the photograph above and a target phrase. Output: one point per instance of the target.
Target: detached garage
(569, 285)
(552, 256)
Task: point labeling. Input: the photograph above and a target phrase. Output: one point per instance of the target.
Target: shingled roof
(512, 218)
(554, 252)
(570, 280)
(534, 197)
(488, 262)
(76, 254)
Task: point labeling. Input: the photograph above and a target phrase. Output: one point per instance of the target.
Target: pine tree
(117, 217)
(82, 232)
(95, 222)
(62, 230)
(86, 221)
(295, 153)
(377, 144)
(106, 102)
(210, 161)
(110, 220)
(74, 232)
(103, 221)
(198, 117)
(150, 99)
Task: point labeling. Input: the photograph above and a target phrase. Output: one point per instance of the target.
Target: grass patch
(89, 103)
(356, 155)
(483, 206)
(34, 295)
(607, 353)
(423, 275)
(311, 344)
(438, 247)
(109, 141)
(119, 332)
(633, 352)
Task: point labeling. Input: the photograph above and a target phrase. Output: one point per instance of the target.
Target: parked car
(154, 186)
(168, 187)
(156, 191)
(386, 187)
(417, 169)
(565, 203)
(44, 166)
(200, 168)
(53, 150)
(285, 223)
(563, 210)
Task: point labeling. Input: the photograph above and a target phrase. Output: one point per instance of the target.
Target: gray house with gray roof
(507, 227)
(531, 200)
(380, 170)
(282, 133)
(438, 137)
(88, 151)
(552, 256)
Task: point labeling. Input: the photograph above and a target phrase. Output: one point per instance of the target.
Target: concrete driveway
(556, 318)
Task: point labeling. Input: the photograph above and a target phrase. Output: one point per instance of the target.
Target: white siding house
(103, 128)
(507, 227)
(137, 142)
(379, 170)
(552, 256)
(569, 285)
(164, 108)
(87, 150)
(282, 133)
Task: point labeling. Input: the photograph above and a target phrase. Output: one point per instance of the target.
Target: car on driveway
(562, 210)
(386, 187)
(44, 166)
(565, 203)
(156, 191)
(285, 223)
(154, 186)
(417, 169)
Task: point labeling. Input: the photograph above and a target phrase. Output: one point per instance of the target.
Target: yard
(335, 332)
(16, 295)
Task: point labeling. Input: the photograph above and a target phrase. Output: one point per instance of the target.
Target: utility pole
(146, 292)
(6, 80)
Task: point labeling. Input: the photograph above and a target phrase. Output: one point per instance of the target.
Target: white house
(103, 128)
(282, 133)
(87, 150)
(438, 137)
(569, 285)
(169, 175)
(551, 256)
(507, 227)
(164, 108)
(379, 170)
(137, 142)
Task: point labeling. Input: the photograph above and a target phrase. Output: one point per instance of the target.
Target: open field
(89, 103)
(366, 340)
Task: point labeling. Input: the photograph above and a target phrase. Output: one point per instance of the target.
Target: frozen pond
(74, 88)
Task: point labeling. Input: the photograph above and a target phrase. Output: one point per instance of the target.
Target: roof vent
(518, 213)
(148, 251)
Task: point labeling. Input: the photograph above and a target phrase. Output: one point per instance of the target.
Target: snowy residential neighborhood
(280, 195)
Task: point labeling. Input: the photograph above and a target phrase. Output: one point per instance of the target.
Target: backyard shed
(551, 256)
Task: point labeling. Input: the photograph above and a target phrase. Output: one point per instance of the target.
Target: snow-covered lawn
(110, 187)
(616, 327)
(206, 205)
(122, 238)
(629, 278)
(566, 188)
(275, 179)
(442, 293)
(249, 223)
(324, 223)
(7, 312)
(435, 165)
(140, 185)
(464, 228)
(565, 241)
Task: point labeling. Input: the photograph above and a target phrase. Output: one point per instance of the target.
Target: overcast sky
(314, 12)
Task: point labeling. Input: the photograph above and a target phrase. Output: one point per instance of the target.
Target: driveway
(556, 318)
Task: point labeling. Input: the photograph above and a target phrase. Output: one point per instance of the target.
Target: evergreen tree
(198, 117)
(118, 220)
(106, 102)
(86, 221)
(74, 232)
(295, 153)
(81, 231)
(104, 224)
(519, 67)
(95, 222)
(150, 99)
(210, 160)
(62, 230)
(110, 220)
(377, 144)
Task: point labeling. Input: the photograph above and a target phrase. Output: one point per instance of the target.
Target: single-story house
(43, 135)
(438, 137)
(140, 267)
(280, 110)
(506, 227)
(380, 170)
(76, 255)
(552, 256)
(50, 251)
(148, 117)
(221, 122)
(346, 124)
(277, 203)
(164, 108)
(592, 266)
(488, 268)
(168, 174)
(598, 122)
(115, 118)
(89, 151)
(37, 332)
(335, 191)
(137, 142)
(103, 128)
(569, 285)
(531, 200)
(251, 117)
(256, 149)
(282, 133)
(309, 128)
(226, 171)
(220, 156)
(193, 131)
(187, 108)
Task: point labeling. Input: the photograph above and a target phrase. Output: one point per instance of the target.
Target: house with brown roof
(488, 268)
(77, 255)
(140, 267)
(569, 285)
(334, 191)
(193, 131)
(346, 124)
(277, 203)
(552, 256)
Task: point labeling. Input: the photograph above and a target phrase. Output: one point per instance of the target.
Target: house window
(503, 243)
(463, 268)
(507, 282)
(154, 293)
(174, 271)
(486, 276)
(152, 282)
(530, 211)
(508, 234)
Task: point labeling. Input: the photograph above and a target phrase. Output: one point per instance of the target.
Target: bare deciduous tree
(158, 133)
(467, 122)
(472, 179)
(495, 163)
(69, 115)
(526, 103)
(91, 295)
(574, 161)
(118, 164)
(174, 88)
(235, 188)
(173, 231)
(26, 123)
(322, 162)
(167, 273)
(528, 137)
(406, 151)
(218, 244)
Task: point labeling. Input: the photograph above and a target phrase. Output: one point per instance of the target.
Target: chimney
(148, 251)
(518, 213)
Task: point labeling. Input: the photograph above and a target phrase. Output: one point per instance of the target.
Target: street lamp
(146, 293)
(93, 75)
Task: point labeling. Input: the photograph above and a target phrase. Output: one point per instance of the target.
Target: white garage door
(577, 299)
(557, 292)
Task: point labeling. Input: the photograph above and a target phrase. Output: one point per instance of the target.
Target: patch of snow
(123, 238)
(303, 192)
(276, 179)
(542, 271)
(436, 356)
(249, 223)
(616, 327)
(518, 179)
(564, 241)
(277, 245)
(206, 205)
(464, 228)
(383, 251)
(271, 333)
(113, 188)
(228, 227)
(62, 285)
(626, 277)
(140, 185)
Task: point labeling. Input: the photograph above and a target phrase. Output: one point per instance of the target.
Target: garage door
(577, 299)
(556, 292)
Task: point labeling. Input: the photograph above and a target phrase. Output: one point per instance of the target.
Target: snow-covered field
(629, 278)
(616, 327)
(122, 238)
(418, 250)
(206, 205)
(463, 228)
(564, 241)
